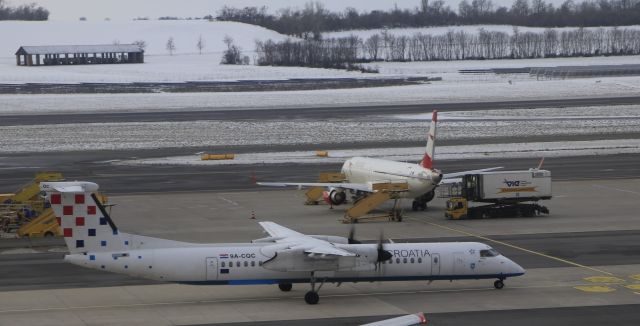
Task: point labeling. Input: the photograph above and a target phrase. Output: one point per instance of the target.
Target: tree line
(24, 12)
(313, 19)
(453, 45)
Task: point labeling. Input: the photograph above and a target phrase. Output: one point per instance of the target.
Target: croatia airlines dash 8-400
(363, 173)
(283, 258)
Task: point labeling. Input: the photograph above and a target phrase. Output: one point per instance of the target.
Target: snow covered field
(187, 65)
(415, 154)
(202, 134)
(436, 92)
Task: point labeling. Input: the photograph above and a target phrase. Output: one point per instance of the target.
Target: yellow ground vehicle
(26, 213)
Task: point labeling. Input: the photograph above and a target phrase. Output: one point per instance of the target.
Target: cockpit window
(489, 253)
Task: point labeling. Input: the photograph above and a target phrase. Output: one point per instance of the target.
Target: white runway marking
(617, 189)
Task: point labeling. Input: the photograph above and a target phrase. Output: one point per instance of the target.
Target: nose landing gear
(312, 296)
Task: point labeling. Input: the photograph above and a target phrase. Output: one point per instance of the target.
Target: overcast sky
(129, 9)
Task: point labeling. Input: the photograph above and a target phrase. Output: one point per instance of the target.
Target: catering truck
(500, 194)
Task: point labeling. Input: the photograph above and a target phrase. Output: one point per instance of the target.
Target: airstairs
(382, 192)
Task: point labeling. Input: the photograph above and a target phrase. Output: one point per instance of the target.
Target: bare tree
(171, 45)
(232, 55)
(200, 44)
(141, 44)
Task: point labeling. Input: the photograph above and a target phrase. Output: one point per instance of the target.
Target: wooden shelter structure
(78, 54)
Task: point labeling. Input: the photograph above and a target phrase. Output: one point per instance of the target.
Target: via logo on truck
(515, 183)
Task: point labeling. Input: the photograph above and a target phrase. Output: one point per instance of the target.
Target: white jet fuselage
(249, 264)
(365, 170)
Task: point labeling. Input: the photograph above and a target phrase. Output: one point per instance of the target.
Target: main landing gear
(420, 203)
(285, 287)
(499, 284)
(312, 296)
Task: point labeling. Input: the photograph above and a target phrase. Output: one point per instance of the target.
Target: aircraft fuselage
(245, 264)
(372, 170)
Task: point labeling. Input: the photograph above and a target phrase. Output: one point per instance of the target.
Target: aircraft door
(458, 263)
(212, 269)
(435, 264)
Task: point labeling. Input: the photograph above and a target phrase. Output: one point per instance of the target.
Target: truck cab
(457, 208)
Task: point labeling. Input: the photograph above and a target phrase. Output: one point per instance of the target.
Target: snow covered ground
(415, 154)
(187, 65)
(155, 33)
(436, 92)
(202, 134)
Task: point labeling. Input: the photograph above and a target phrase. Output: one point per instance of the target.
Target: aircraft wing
(459, 174)
(278, 231)
(297, 240)
(352, 186)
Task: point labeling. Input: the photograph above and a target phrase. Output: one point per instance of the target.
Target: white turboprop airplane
(283, 258)
(362, 173)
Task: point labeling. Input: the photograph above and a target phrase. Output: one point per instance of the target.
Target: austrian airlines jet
(283, 258)
(362, 173)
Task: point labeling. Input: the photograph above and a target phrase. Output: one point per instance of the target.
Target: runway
(307, 113)
(592, 231)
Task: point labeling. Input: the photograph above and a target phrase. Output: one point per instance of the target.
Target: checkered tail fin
(86, 225)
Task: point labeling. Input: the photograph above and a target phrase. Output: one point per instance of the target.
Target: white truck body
(512, 185)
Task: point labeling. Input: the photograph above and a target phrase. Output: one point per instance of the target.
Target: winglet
(427, 160)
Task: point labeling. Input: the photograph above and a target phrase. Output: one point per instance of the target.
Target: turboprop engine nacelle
(334, 196)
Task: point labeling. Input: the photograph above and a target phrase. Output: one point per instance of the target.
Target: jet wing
(352, 186)
(459, 174)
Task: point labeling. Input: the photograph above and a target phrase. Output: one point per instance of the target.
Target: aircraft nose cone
(517, 269)
(436, 176)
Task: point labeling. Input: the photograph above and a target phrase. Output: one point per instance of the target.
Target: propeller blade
(352, 233)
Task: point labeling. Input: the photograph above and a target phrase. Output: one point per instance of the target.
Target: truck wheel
(485, 215)
(48, 234)
(423, 206)
(414, 206)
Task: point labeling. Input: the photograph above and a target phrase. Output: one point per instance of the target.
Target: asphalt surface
(301, 113)
(48, 270)
(16, 170)
(595, 315)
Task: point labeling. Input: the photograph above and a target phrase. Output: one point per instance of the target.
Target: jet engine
(334, 196)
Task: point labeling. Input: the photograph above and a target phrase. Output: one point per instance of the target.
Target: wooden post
(37, 59)
(30, 60)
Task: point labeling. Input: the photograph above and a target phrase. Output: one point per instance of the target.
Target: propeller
(352, 237)
(383, 255)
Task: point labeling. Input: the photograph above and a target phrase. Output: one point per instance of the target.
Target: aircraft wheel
(311, 297)
(415, 205)
(498, 284)
(285, 287)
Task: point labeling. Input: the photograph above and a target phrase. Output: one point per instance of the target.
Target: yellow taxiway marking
(635, 287)
(595, 288)
(522, 249)
(635, 277)
(604, 279)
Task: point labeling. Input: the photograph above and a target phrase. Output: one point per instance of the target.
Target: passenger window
(397, 260)
(246, 264)
(253, 263)
(404, 260)
(412, 261)
(222, 264)
(237, 264)
(260, 263)
(419, 260)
